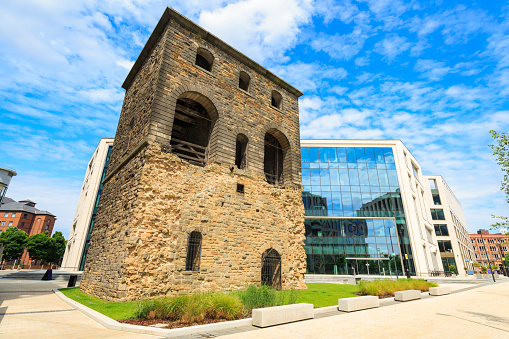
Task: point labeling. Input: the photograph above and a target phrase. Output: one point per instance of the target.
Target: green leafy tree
(501, 151)
(14, 241)
(39, 246)
(58, 248)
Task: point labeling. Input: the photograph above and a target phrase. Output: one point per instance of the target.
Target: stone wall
(152, 200)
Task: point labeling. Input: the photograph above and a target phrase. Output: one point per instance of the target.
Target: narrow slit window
(193, 252)
(273, 159)
(240, 151)
(244, 81)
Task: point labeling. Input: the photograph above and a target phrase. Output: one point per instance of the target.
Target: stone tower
(203, 190)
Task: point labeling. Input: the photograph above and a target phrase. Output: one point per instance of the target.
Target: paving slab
(29, 309)
(479, 312)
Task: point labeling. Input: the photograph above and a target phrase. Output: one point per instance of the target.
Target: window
(504, 249)
(47, 227)
(493, 248)
(480, 241)
(6, 215)
(491, 241)
(437, 214)
(472, 241)
(484, 256)
(193, 252)
(482, 248)
(276, 100)
(23, 224)
(192, 128)
(445, 246)
(240, 151)
(476, 256)
(473, 247)
(441, 230)
(3, 223)
(271, 269)
(415, 171)
(273, 158)
(244, 81)
(25, 216)
(10, 223)
(433, 184)
(204, 59)
(495, 256)
(13, 215)
(436, 199)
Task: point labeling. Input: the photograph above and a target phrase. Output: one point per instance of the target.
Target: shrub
(386, 288)
(191, 308)
(484, 269)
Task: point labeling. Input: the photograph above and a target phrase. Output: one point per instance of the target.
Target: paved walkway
(29, 309)
(481, 312)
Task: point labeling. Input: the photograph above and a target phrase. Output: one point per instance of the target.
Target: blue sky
(434, 74)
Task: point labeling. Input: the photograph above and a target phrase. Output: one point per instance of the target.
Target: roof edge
(169, 14)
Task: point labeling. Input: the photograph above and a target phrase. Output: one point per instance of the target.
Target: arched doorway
(271, 269)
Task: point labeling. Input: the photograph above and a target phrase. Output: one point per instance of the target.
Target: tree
(501, 151)
(14, 241)
(58, 247)
(39, 246)
(42, 247)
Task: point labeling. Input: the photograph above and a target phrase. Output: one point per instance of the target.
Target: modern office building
(365, 209)
(450, 226)
(83, 222)
(6, 175)
(489, 246)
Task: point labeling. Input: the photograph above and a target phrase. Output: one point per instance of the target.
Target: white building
(450, 226)
(77, 243)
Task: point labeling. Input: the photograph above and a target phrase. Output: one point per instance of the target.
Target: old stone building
(203, 191)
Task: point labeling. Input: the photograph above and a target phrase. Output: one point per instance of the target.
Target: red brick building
(491, 246)
(23, 215)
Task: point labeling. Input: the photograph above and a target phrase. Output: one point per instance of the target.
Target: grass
(386, 288)
(322, 295)
(236, 304)
(114, 310)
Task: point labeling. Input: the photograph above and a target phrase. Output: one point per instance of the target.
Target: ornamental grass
(386, 288)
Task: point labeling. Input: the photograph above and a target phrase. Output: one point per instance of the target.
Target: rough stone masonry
(161, 190)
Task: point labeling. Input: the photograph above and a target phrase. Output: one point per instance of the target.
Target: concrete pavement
(481, 312)
(29, 309)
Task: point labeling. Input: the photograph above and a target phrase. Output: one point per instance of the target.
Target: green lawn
(320, 295)
(114, 310)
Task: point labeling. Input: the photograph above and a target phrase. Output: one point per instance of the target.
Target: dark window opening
(193, 252)
(131, 123)
(244, 81)
(437, 214)
(271, 269)
(441, 230)
(276, 99)
(191, 132)
(436, 199)
(204, 59)
(240, 188)
(445, 246)
(273, 160)
(240, 151)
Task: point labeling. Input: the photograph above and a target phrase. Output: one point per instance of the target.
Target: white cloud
(432, 70)
(262, 29)
(308, 77)
(392, 46)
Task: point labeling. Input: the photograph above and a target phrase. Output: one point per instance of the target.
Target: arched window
(244, 80)
(273, 159)
(277, 99)
(271, 269)
(192, 127)
(204, 59)
(193, 252)
(240, 151)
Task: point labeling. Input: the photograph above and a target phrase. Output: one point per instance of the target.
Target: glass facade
(353, 211)
(96, 204)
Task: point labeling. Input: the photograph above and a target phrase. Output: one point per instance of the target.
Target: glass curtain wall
(345, 189)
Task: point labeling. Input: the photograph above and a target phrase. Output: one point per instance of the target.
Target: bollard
(72, 280)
